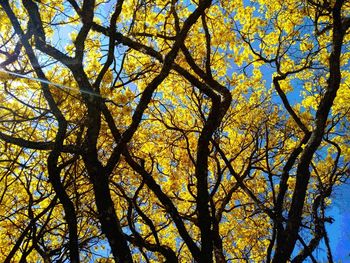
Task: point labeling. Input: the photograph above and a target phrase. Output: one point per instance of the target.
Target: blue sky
(339, 231)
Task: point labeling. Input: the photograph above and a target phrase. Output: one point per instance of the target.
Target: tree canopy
(171, 131)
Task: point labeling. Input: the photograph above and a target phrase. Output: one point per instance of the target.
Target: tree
(171, 131)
